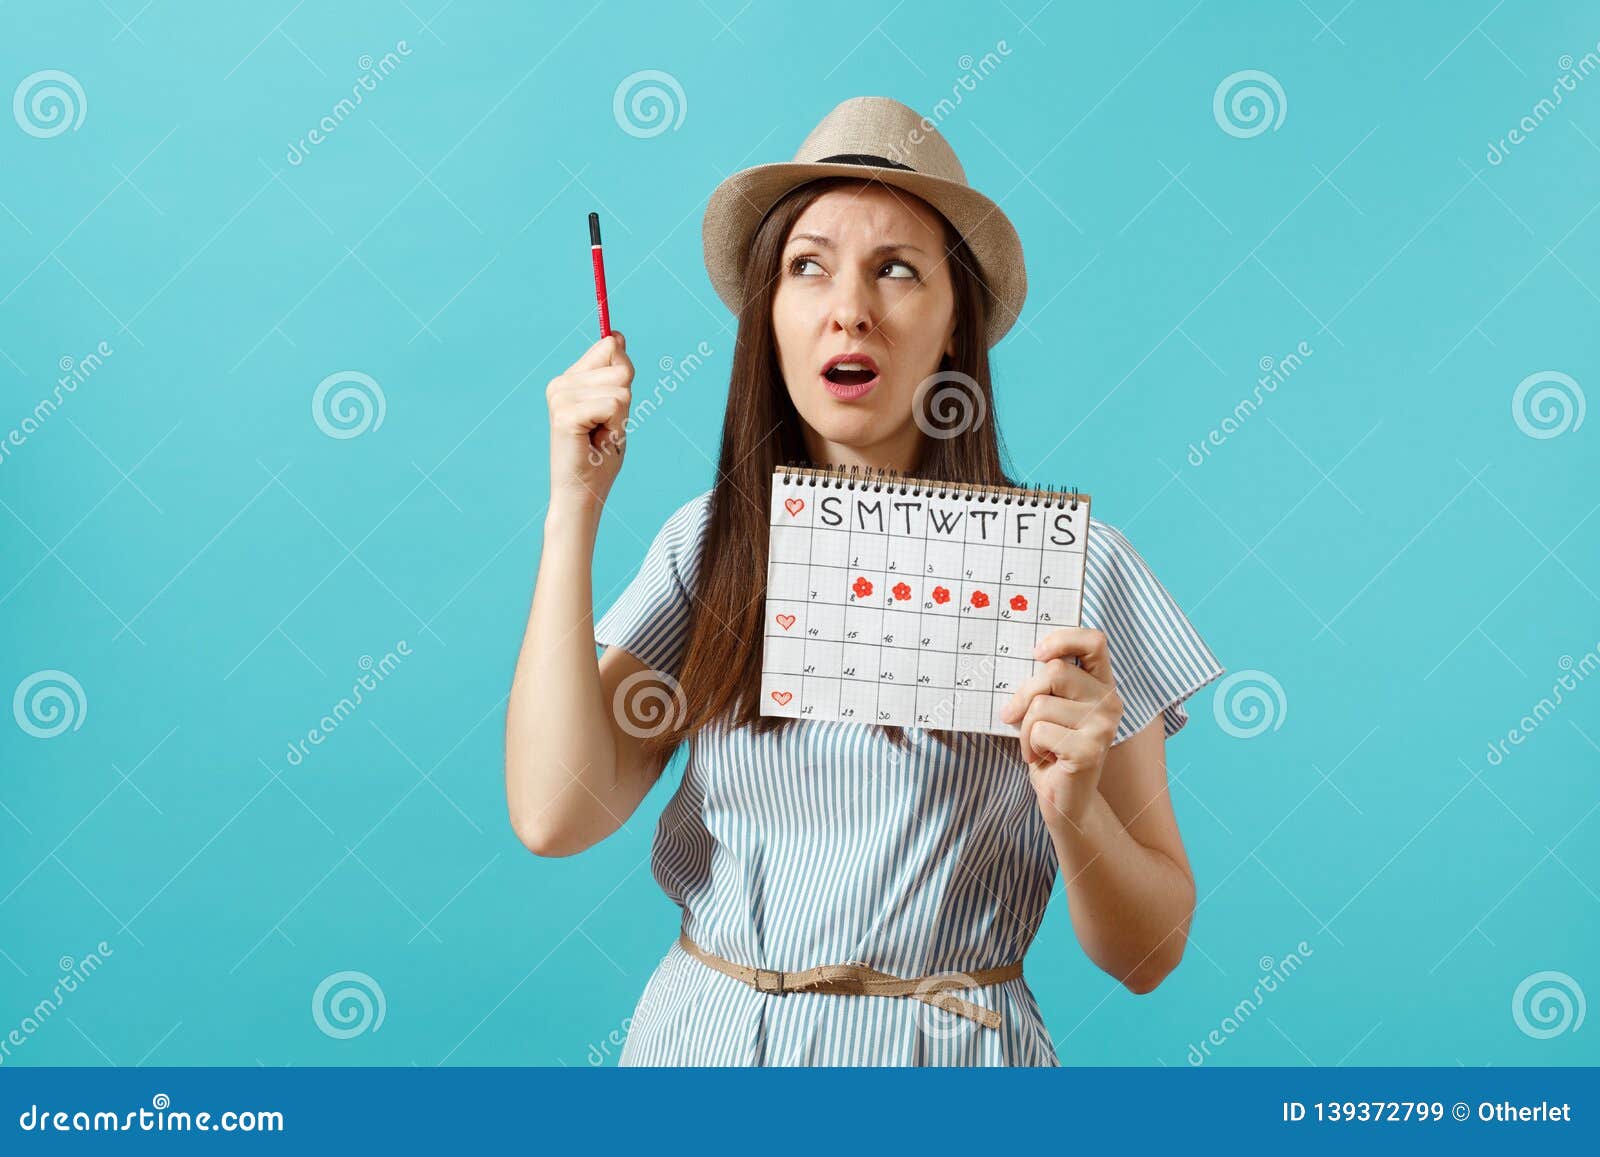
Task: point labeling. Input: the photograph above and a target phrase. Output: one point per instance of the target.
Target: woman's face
(863, 311)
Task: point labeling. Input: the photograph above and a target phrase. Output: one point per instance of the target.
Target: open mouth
(844, 376)
(850, 375)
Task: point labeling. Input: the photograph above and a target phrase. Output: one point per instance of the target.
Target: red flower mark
(941, 594)
(979, 599)
(1019, 602)
(862, 587)
(901, 591)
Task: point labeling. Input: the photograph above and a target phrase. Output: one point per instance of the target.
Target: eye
(910, 271)
(798, 263)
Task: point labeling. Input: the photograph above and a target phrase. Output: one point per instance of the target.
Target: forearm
(1130, 905)
(561, 759)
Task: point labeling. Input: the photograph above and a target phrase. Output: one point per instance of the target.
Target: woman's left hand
(1068, 716)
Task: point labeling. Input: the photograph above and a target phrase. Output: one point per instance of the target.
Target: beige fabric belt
(860, 980)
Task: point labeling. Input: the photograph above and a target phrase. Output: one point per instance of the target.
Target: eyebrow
(819, 239)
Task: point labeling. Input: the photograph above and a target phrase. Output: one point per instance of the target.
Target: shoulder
(686, 525)
(1109, 554)
(1121, 593)
(679, 541)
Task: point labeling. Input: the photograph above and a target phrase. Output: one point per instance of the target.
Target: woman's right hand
(588, 410)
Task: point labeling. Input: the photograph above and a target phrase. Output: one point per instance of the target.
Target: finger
(602, 353)
(1056, 677)
(586, 393)
(1049, 709)
(1038, 683)
(599, 412)
(1057, 744)
(598, 376)
(1089, 646)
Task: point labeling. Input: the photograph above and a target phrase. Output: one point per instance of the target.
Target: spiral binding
(879, 479)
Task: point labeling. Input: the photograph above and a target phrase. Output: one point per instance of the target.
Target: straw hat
(869, 137)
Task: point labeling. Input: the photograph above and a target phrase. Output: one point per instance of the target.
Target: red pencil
(599, 274)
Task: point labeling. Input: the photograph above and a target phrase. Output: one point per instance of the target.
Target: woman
(851, 894)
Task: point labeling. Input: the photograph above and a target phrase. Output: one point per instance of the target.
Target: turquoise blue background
(1381, 537)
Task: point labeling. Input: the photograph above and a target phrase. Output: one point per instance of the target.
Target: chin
(853, 429)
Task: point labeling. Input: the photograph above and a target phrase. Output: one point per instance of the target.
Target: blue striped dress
(826, 843)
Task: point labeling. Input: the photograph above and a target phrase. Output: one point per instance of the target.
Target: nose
(852, 306)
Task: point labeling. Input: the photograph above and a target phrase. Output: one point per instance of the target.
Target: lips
(849, 376)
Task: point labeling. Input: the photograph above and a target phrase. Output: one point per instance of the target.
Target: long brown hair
(721, 672)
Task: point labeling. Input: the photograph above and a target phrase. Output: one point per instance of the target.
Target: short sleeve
(650, 619)
(1157, 656)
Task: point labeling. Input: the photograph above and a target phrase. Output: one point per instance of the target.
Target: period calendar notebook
(913, 602)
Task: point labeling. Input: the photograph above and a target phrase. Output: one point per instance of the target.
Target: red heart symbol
(794, 505)
(786, 621)
(783, 697)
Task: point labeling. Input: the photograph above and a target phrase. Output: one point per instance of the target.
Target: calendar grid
(813, 668)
